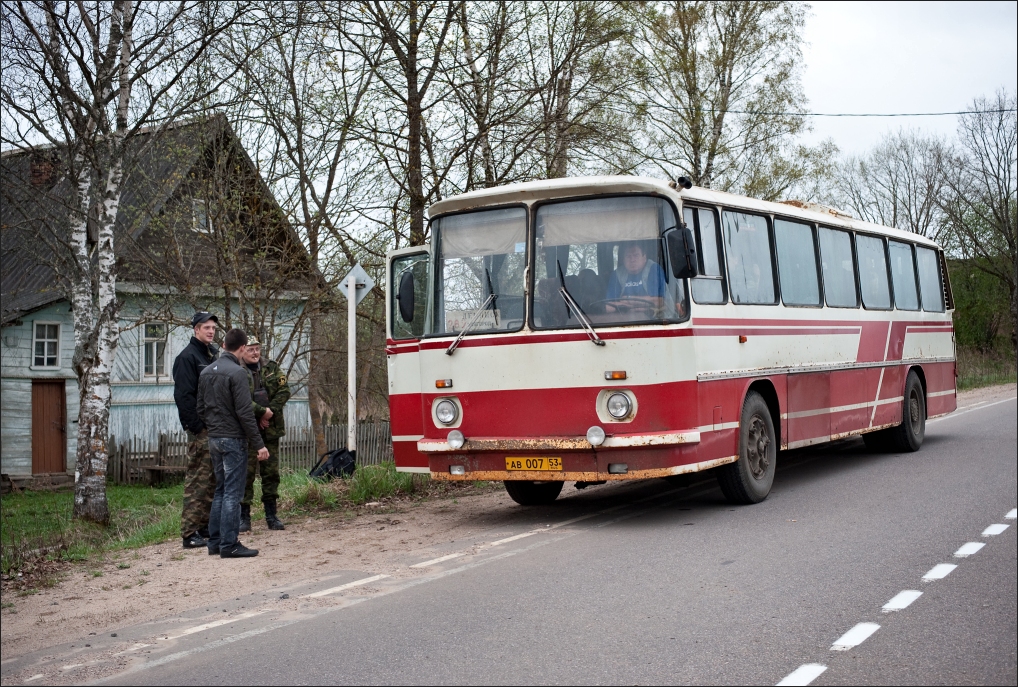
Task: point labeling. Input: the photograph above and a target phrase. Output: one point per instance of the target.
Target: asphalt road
(658, 584)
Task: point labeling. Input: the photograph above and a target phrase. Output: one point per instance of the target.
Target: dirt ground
(161, 580)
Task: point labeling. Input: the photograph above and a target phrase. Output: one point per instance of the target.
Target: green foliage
(373, 482)
(981, 318)
(38, 524)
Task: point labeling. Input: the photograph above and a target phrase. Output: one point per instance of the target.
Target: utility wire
(869, 114)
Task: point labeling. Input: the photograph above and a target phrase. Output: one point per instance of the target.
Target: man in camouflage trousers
(269, 393)
(199, 480)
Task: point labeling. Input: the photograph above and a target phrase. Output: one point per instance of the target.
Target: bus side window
(416, 264)
(876, 291)
(750, 263)
(929, 280)
(903, 275)
(838, 268)
(797, 263)
(709, 287)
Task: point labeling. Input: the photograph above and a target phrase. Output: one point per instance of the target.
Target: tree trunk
(415, 177)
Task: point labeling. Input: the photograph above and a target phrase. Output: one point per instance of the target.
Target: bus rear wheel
(749, 479)
(908, 436)
(529, 493)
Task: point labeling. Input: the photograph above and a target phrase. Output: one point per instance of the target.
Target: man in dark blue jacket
(224, 406)
(199, 480)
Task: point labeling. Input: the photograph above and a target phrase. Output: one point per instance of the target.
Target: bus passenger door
(809, 408)
(406, 315)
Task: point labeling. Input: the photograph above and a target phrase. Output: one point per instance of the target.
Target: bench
(156, 472)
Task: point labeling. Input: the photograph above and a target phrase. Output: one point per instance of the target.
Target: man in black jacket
(224, 405)
(199, 480)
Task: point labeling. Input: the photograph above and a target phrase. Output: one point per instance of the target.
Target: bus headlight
(619, 405)
(595, 435)
(456, 439)
(446, 411)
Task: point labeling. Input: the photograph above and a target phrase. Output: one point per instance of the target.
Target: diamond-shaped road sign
(364, 282)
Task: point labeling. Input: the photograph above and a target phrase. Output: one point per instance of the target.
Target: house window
(47, 345)
(155, 349)
(202, 223)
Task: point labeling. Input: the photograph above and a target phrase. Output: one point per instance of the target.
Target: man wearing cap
(269, 392)
(199, 480)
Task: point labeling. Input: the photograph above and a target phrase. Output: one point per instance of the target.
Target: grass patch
(984, 368)
(300, 494)
(37, 525)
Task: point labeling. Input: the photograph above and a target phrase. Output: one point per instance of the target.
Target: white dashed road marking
(35, 677)
(348, 585)
(968, 549)
(854, 637)
(901, 600)
(436, 561)
(993, 530)
(209, 626)
(939, 572)
(1012, 514)
(803, 675)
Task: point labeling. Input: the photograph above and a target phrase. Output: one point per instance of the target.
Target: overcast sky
(904, 57)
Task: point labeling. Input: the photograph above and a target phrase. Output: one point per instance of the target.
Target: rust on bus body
(580, 476)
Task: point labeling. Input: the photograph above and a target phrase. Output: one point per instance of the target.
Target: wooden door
(49, 426)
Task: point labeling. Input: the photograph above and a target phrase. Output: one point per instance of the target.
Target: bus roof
(531, 191)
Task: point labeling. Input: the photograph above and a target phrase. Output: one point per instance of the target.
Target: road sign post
(355, 286)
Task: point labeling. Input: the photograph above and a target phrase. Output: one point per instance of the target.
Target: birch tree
(84, 78)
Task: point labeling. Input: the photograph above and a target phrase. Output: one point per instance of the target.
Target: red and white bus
(610, 328)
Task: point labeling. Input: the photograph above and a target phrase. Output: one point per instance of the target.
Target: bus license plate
(533, 463)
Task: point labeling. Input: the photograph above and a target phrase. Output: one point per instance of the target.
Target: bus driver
(636, 279)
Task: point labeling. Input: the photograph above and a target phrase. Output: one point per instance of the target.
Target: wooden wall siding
(17, 343)
(16, 426)
(73, 403)
(126, 362)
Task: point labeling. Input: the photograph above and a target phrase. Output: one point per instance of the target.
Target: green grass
(977, 368)
(36, 524)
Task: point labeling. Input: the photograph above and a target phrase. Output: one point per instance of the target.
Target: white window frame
(145, 341)
(195, 225)
(60, 333)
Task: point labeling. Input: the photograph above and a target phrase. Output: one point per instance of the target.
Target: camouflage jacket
(273, 392)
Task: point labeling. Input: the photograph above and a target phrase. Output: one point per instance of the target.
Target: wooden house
(197, 229)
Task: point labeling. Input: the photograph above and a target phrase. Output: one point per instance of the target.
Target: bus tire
(749, 479)
(529, 493)
(909, 435)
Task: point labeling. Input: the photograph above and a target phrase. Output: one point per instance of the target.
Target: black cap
(203, 316)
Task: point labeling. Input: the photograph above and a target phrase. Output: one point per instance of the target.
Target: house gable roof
(35, 206)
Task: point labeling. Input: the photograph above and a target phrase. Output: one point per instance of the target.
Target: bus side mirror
(682, 252)
(405, 296)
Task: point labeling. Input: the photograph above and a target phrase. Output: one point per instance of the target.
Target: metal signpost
(359, 283)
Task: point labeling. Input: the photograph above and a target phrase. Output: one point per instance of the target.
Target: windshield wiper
(492, 297)
(575, 307)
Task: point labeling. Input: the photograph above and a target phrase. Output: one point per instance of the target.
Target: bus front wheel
(749, 479)
(529, 493)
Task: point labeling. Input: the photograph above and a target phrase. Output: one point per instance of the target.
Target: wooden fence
(136, 461)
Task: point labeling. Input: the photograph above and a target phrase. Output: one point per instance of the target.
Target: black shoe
(270, 516)
(213, 550)
(194, 541)
(245, 518)
(204, 531)
(238, 550)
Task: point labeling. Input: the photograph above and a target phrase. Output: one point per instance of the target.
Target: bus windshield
(480, 261)
(607, 254)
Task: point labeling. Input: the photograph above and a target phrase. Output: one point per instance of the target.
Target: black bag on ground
(338, 463)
